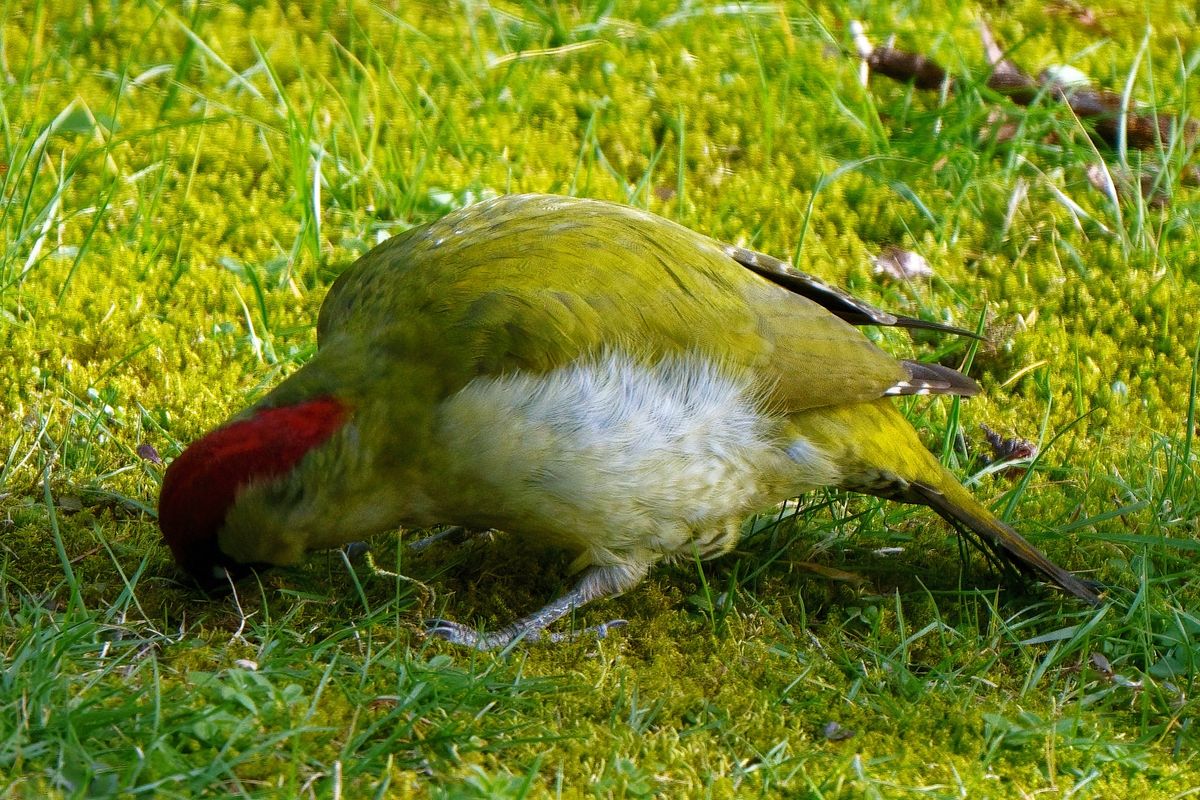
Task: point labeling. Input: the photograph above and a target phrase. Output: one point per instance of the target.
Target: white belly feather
(624, 460)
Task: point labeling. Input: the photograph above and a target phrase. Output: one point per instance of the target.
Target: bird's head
(203, 484)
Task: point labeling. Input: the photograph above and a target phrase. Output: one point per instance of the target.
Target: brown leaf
(1011, 449)
(147, 451)
(898, 264)
(834, 732)
(832, 573)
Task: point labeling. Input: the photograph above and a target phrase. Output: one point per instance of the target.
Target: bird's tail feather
(879, 453)
(956, 505)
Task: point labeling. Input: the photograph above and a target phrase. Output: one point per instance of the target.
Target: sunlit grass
(180, 184)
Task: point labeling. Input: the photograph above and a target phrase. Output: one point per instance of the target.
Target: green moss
(162, 258)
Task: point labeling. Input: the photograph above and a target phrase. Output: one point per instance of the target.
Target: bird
(583, 375)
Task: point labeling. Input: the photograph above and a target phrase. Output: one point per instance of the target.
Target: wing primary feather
(923, 324)
(833, 299)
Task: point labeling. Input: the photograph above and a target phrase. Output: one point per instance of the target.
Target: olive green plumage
(601, 378)
(534, 282)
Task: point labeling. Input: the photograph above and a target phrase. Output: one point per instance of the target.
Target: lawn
(180, 184)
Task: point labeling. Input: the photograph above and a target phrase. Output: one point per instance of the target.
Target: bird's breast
(615, 454)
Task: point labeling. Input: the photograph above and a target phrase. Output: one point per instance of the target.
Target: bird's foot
(595, 583)
(465, 635)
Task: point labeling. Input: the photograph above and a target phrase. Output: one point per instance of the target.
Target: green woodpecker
(581, 373)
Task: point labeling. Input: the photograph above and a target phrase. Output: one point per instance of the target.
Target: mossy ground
(182, 182)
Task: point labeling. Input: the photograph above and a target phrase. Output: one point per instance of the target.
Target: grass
(181, 183)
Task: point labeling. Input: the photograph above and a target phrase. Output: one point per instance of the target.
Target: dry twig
(1104, 109)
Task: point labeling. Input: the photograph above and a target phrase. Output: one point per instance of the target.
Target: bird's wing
(360, 297)
(533, 282)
